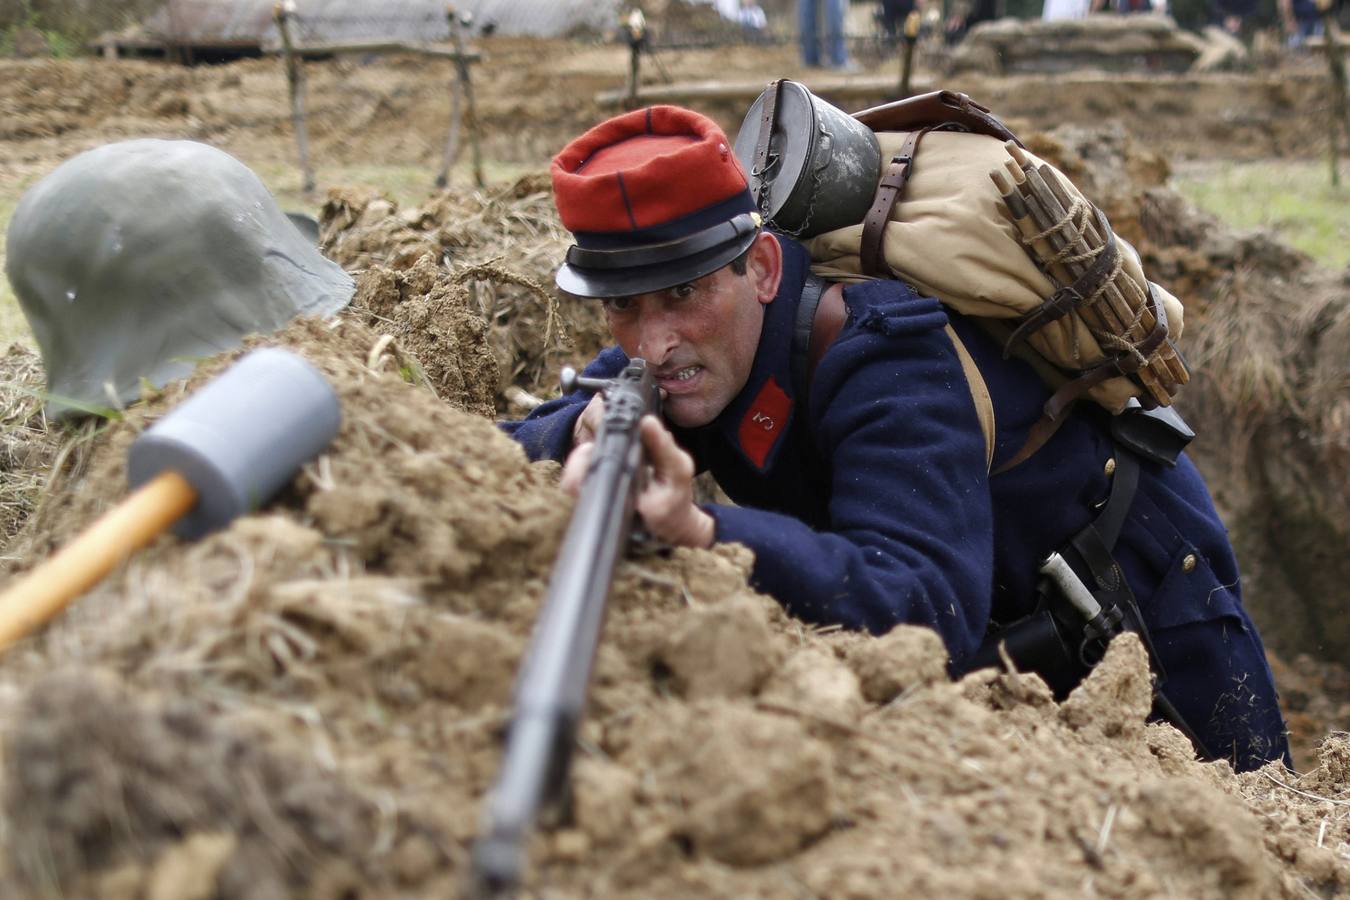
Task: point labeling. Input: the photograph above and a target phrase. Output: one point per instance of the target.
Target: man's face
(700, 338)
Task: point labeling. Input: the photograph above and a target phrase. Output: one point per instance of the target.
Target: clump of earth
(493, 253)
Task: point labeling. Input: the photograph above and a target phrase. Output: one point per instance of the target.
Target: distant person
(1235, 16)
(1059, 10)
(1302, 20)
(893, 15)
(808, 15)
(966, 14)
(746, 13)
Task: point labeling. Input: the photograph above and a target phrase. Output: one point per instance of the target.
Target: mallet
(223, 452)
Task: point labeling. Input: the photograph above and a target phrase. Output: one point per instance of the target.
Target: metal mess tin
(820, 167)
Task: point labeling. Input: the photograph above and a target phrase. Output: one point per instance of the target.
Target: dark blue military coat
(871, 504)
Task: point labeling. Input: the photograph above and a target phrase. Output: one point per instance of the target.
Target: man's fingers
(588, 423)
(669, 461)
(574, 471)
(666, 504)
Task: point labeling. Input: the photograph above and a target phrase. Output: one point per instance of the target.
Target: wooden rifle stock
(551, 688)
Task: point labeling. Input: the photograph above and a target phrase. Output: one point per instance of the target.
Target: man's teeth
(686, 374)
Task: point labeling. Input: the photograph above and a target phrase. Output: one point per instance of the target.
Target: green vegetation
(1293, 199)
(67, 25)
(60, 43)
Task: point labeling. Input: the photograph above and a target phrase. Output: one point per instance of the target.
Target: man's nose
(657, 340)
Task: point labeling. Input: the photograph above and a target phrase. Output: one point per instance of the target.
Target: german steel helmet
(134, 260)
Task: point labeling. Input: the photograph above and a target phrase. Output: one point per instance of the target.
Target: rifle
(551, 687)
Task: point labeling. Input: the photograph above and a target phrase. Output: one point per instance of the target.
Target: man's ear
(764, 265)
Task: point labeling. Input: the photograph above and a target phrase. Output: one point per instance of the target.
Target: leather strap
(1094, 548)
(819, 321)
(1124, 482)
(802, 360)
(979, 394)
(830, 316)
(1123, 363)
(1069, 298)
(872, 252)
(1061, 402)
(936, 108)
(917, 115)
(759, 173)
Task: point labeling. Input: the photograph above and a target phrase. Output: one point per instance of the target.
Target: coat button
(1110, 467)
(1188, 562)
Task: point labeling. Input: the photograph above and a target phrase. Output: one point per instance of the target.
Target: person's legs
(806, 28)
(834, 31)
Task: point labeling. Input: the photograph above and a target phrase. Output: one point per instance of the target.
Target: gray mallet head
(134, 259)
(240, 438)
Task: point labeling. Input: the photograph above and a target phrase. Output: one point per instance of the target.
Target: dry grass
(1273, 355)
(27, 443)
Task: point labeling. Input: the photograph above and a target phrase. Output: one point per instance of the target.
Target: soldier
(867, 499)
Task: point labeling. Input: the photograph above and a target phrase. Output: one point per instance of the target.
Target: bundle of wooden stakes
(1065, 234)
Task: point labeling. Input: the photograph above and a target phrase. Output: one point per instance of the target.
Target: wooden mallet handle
(220, 454)
(133, 523)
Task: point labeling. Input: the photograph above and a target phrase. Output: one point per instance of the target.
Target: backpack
(963, 212)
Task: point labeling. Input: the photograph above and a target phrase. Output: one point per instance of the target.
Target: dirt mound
(1270, 399)
(1110, 43)
(310, 703)
(1315, 696)
(493, 252)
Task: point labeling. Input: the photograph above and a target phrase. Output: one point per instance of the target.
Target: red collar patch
(766, 419)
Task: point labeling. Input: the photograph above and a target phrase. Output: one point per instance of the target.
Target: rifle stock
(551, 687)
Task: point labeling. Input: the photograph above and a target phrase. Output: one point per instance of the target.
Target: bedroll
(964, 213)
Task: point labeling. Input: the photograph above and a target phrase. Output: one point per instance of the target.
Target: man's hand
(588, 424)
(666, 502)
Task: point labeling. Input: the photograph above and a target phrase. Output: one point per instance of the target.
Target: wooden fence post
(463, 88)
(635, 31)
(283, 12)
(1339, 119)
(912, 22)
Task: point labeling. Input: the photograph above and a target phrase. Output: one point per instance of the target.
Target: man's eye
(682, 291)
(618, 304)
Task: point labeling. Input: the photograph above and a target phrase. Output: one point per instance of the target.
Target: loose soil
(311, 702)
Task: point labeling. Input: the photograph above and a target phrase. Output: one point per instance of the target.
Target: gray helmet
(136, 259)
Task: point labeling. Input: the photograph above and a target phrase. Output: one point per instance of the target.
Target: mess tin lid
(812, 167)
(786, 110)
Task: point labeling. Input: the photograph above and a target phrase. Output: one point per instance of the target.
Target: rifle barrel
(551, 687)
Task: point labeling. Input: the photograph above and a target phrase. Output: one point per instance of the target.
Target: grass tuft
(1294, 199)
